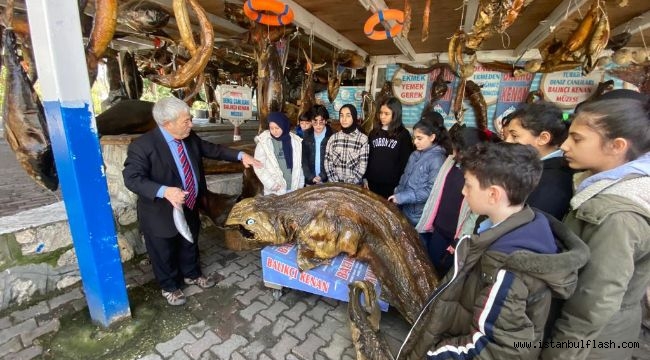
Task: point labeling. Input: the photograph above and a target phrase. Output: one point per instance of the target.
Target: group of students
(540, 239)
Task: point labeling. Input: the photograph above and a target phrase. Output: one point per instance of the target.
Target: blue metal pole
(60, 61)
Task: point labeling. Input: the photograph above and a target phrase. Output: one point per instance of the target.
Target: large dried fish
(104, 25)
(307, 98)
(333, 82)
(24, 121)
(197, 63)
(144, 16)
(269, 84)
(425, 20)
(476, 99)
(333, 218)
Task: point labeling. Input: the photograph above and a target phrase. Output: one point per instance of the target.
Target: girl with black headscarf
(346, 155)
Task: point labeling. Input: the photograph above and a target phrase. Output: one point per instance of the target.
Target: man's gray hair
(168, 109)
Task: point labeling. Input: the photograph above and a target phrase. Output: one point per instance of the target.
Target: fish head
(256, 225)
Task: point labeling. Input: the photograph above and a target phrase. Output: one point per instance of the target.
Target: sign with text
(489, 82)
(409, 88)
(236, 104)
(569, 88)
(513, 91)
(442, 105)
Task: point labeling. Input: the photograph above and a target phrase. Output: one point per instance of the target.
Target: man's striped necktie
(190, 201)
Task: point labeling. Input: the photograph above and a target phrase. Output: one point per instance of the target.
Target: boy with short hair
(495, 302)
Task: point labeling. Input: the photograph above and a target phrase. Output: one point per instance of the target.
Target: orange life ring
(380, 16)
(258, 11)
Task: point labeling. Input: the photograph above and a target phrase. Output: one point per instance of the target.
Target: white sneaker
(175, 297)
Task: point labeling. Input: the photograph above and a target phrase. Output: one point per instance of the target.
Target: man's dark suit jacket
(150, 164)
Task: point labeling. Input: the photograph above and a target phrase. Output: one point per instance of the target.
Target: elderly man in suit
(164, 168)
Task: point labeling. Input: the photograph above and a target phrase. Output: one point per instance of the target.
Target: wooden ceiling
(344, 21)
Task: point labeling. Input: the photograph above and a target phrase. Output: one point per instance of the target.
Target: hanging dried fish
(598, 40)
(197, 63)
(407, 19)
(509, 12)
(478, 103)
(425, 20)
(618, 41)
(307, 98)
(144, 16)
(104, 25)
(25, 127)
(458, 100)
(184, 26)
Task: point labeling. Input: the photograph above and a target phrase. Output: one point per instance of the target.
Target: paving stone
(328, 327)
(283, 346)
(248, 270)
(27, 354)
(264, 357)
(302, 328)
(252, 350)
(296, 311)
(249, 312)
(151, 357)
(281, 325)
(208, 355)
(250, 258)
(250, 295)
(309, 347)
(237, 356)
(198, 329)
(179, 355)
(267, 297)
(250, 282)
(258, 324)
(272, 312)
(231, 280)
(30, 312)
(5, 322)
(318, 312)
(65, 298)
(11, 346)
(18, 329)
(169, 347)
(340, 313)
(202, 345)
(233, 267)
(49, 327)
(224, 350)
(79, 304)
(336, 347)
(292, 357)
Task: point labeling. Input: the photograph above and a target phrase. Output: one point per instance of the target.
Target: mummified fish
(181, 224)
(25, 126)
(269, 84)
(143, 16)
(333, 218)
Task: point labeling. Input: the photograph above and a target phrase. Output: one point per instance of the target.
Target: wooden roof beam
(546, 26)
(310, 23)
(470, 15)
(403, 44)
(636, 24)
(214, 20)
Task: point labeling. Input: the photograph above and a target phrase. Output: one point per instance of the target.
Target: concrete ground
(238, 319)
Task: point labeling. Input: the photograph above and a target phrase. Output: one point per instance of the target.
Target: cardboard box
(280, 269)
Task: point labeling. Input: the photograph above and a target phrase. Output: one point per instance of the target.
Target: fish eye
(250, 221)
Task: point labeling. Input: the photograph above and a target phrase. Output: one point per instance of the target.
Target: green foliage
(153, 92)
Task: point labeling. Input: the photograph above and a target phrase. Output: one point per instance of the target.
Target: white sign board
(569, 88)
(409, 88)
(236, 105)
